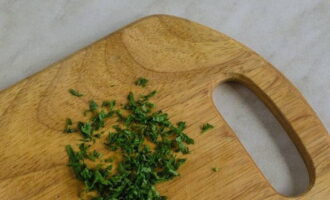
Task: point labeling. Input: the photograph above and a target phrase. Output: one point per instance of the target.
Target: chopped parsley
(109, 104)
(206, 127)
(141, 82)
(215, 169)
(75, 93)
(92, 105)
(149, 149)
(68, 126)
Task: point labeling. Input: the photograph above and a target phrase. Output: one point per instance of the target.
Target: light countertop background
(294, 35)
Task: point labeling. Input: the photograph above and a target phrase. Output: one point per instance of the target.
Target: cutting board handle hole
(263, 137)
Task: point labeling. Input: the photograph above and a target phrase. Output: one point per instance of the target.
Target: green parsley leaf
(109, 104)
(85, 129)
(206, 127)
(141, 82)
(94, 155)
(93, 105)
(68, 126)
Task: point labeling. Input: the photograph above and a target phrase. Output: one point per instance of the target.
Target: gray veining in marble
(293, 35)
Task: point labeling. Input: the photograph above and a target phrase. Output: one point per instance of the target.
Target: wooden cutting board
(184, 61)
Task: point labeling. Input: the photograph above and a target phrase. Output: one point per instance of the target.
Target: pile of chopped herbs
(147, 145)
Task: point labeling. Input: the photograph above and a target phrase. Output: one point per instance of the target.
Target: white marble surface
(294, 35)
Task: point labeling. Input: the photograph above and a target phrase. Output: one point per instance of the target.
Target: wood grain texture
(184, 61)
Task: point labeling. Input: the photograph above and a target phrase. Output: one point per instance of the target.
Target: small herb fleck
(108, 160)
(206, 127)
(109, 104)
(68, 126)
(141, 82)
(94, 155)
(215, 169)
(75, 93)
(93, 105)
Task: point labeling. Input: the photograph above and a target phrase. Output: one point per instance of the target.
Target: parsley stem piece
(75, 93)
